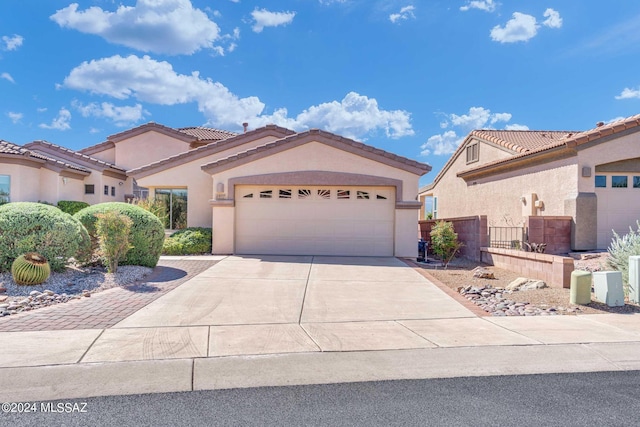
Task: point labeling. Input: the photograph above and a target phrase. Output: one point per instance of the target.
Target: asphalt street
(603, 399)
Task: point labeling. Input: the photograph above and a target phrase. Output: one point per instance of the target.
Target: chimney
(599, 124)
(245, 125)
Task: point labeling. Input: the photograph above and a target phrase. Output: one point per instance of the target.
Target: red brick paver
(105, 309)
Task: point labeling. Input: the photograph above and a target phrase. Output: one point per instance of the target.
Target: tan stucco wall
(147, 148)
(223, 224)
(25, 182)
(199, 185)
(108, 155)
(499, 196)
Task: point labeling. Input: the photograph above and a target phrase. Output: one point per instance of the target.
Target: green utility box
(580, 287)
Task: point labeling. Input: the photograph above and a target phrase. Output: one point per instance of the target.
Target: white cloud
(7, 77)
(265, 18)
(42, 109)
(15, 117)
(162, 26)
(516, 126)
(326, 2)
(404, 14)
(61, 122)
(156, 82)
(520, 28)
(443, 144)
(13, 42)
(553, 19)
(629, 93)
(486, 5)
(121, 116)
(476, 118)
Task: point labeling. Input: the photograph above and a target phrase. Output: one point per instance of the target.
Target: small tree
(113, 230)
(444, 241)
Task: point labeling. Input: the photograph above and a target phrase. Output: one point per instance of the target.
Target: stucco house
(266, 191)
(591, 176)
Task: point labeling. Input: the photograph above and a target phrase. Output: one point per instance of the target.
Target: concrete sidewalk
(269, 321)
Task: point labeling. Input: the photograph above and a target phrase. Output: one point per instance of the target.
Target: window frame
(106, 190)
(623, 181)
(89, 189)
(472, 148)
(6, 198)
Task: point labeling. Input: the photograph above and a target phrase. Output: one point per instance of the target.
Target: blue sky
(410, 77)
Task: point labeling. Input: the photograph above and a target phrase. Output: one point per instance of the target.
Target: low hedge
(189, 241)
(146, 236)
(71, 207)
(36, 227)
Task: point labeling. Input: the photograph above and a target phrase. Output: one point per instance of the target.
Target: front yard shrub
(146, 235)
(35, 227)
(620, 250)
(444, 241)
(71, 207)
(189, 241)
(113, 230)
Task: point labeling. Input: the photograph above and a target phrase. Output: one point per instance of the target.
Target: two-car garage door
(315, 220)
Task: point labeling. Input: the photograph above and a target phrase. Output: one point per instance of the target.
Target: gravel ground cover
(459, 274)
(74, 283)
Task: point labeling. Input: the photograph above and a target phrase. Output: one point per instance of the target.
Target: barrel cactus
(30, 269)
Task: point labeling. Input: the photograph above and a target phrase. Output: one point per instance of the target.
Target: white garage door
(618, 207)
(350, 221)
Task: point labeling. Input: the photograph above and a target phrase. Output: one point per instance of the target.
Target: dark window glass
(601, 181)
(113, 191)
(619, 181)
(636, 182)
(89, 189)
(106, 190)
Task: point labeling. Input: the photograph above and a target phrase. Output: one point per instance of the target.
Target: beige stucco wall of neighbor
(147, 148)
(499, 196)
(25, 181)
(316, 156)
(50, 182)
(199, 185)
(72, 189)
(223, 225)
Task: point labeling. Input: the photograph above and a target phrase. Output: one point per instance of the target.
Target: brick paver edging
(105, 309)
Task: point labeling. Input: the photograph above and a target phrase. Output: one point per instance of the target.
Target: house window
(89, 189)
(362, 195)
(174, 207)
(344, 194)
(619, 181)
(304, 193)
(379, 197)
(113, 191)
(636, 182)
(601, 181)
(324, 194)
(473, 152)
(106, 190)
(284, 194)
(435, 208)
(266, 194)
(5, 188)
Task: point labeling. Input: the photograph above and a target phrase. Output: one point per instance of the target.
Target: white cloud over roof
(486, 5)
(156, 82)
(404, 14)
(520, 28)
(264, 18)
(162, 26)
(61, 122)
(12, 42)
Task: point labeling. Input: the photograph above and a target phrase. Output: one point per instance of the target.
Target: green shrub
(621, 249)
(71, 207)
(146, 235)
(444, 241)
(35, 227)
(189, 241)
(156, 207)
(113, 231)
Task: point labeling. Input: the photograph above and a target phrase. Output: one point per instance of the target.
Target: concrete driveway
(283, 304)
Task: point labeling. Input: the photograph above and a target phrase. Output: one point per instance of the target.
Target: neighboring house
(591, 176)
(32, 173)
(265, 191)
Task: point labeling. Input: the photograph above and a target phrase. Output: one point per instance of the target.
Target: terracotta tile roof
(207, 134)
(49, 149)
(14, 149)
(7, 147)
(367, 150)
(522, 141)
(151, 126)
(571, 141)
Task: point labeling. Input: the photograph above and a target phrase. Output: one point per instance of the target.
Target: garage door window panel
(601, 181)
(619, 181)
(636, 182)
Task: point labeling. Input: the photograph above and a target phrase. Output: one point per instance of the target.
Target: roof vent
(245, 125)
(599, 124)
